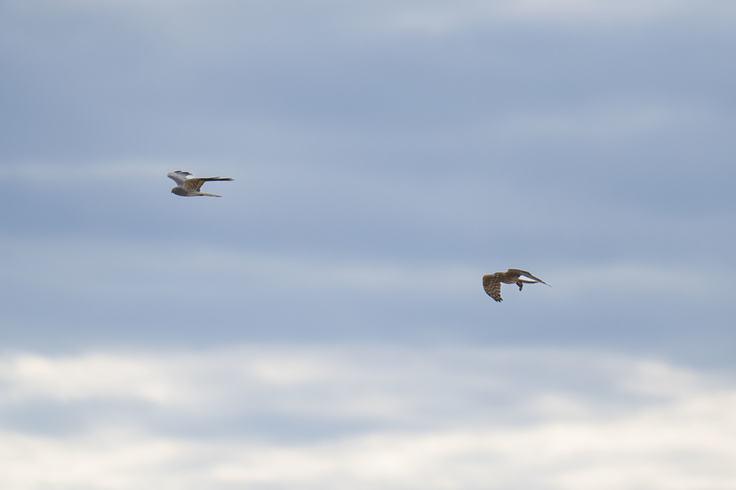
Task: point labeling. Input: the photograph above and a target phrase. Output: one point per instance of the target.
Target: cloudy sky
(323, 325)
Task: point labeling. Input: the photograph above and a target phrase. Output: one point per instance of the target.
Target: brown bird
(492, 282)
(189, 186)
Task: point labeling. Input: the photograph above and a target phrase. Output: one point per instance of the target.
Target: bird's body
(492, 282)
(188, 186)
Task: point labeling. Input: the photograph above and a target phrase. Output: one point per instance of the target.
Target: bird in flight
(492, 282)
(186, 185)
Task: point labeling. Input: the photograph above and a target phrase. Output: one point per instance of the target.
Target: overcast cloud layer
(327, 313)
(273, 417)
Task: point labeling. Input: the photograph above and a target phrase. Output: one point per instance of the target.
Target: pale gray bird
(492, 282)
(186, 185)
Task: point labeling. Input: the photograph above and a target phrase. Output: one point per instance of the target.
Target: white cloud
(453, 16)
(629, 453)
(83, 377)
(440, 418)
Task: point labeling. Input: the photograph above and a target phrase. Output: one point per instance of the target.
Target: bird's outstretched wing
(492, 285)
(527, 274)
(179, 177)
(195, 183)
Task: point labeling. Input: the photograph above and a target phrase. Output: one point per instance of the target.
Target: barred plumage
(492, 282)
(189, 186)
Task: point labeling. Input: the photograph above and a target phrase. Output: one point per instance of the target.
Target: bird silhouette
(188, 186)
(492, 282)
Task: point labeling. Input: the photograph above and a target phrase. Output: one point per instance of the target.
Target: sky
(323, 325)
